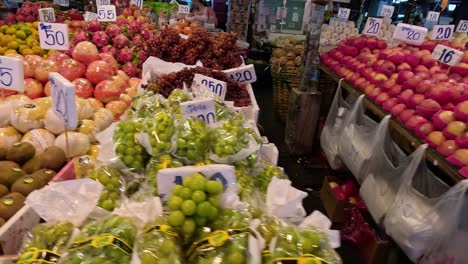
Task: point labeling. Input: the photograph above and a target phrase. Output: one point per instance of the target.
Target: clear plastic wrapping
(127, 148)
(158, 163)
(111, 180)
(145, 105)
(192, 140)
(159, 134)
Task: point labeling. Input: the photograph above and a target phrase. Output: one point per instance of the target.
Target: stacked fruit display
(288, 53)
(428, 97)
(20, 39)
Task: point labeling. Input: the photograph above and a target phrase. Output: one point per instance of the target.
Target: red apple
(72, 69)
(349, 188)
(455, 76)
(412, 59)
(439, 77)
(387, 68)
(428, 61)
(461, 68)
(421, 68)
(448, 106)
(396, 57)
(382, 98)
(405, 115)
(423, 86)
(359, 81)
(440, 93)
(379, 78)
(389, 104)
(442, 118)
(461, 111)
(374, 93)
(397, 109)
(405, 96)
(414, 100)
(412, 82)
(404, 76)
(459, 158)
(423, 75)
(404, 67)
(447, 148)
(454, 129)
(462, 140)
(381, 44)
(33, 88)
(435, 138)
(415, 121)
(424, 130)
(427, 108)
(388, 84)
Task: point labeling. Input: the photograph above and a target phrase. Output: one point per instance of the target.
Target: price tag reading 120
(63, 99)
(410, 34)
(53, 36)
(11, 74)
(447, 55)
(202, 109)
(344, 13)
(217, 87)
(106, 13)
(47, 15)
(462, 26)
(387, 11)
(372, 27)
(243, 75)
(442, 32)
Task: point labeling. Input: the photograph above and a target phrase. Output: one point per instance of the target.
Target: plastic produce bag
(158, 136)
(158, 163)
(112, 181)
(146, 105)
(283, 200)
(427, 215)
(192, 141)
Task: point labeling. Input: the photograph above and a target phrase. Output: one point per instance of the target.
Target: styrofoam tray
(252, 111)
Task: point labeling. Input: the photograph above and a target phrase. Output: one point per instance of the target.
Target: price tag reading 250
(447, 55)
(202, 109)
(372, 27)
(11, 74)
(106, 13)
(410, 34)
(217, 87)
(53, 36)
(243, 75)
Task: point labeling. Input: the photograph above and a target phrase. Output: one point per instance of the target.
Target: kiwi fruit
(44, 174)
(2, 222)
(10, 204)
(27, 184)
(8, 177)
(53, 158)
(7, 165)
(3, 190)
(3, 153)
(21, 152)
(32, 165)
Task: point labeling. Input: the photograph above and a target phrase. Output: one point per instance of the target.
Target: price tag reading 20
(372, 27)
(11, 74)
(447, 55)
(106, 13)
(410, 34)
(202, 109)
(53, 36)
(63, 99)
(442, 32)
(243, 75)
(184, 9)
(217, 87)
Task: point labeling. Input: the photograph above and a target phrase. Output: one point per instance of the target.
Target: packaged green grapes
(146, 105)
(158, 136)
(127, 148)
(106, 241)
(46, 243)
(159, 243)
(176, 97)
(265, 173)
(112, 181)
(158, 163)
(192, 141)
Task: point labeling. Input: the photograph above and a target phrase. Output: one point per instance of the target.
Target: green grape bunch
(146, 105)
(111, 180)
(263, 179)
(193, 140)
(176, 97)
(158, 163)
(160, 129)
(128, 149)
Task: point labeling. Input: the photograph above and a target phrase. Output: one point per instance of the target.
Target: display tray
(252, 111)
(405, 139)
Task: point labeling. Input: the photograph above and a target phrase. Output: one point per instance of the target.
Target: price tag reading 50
(202, 109)
(217, 87)
(47, 15)
(447, 55)
(410, 34)
(63, 99)
(243, 75)
(11, 74)
(442, 32)
(372, 27)
(106, 13)
(53, 36)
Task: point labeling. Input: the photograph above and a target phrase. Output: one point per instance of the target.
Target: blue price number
(242, 76)
(210, 118)
(374, 27)
(413, 35)
(217, 89)
(221, 178)
(386, 12)
(48, 17)
(178, 180)
(6, 79)
(432, 17)
(463, 27)
(446, 56)
(53, 38)
(443, 33)
(102, 14)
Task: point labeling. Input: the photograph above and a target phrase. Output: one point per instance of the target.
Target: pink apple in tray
(442, 118)
(447, 148)
(83, 88)
(412, 82)
(461, 68)
(439, 77)
(99, 71)
(403, 67)
(374, 93)
(423, 86)
(405, 115)
(423, 75)
(428, 61)
(387, 68)
(107, 91)
(357, 83)
(412, 59)
(387, 85)
(454, 129)
(382, 98)
(461, 111)
(459, 157)
(397, 109)
(435, 139)
(396, 57)
(427, 108)
(421, 68)
(455, 76)
(33, 88)
(424, 130)
(415, 121)
(395, 91)
(405, 96)
(462, 140)
(388, 104)
(415, 100)
(440, 93)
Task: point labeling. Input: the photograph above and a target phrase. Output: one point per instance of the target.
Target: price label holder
(168, 178)
(106, 13)
(202, 109)
(102, 2)
(462, 26)
(432, 16)
(410, 34)
(447, 55)
(138, 3)
(53, 36)
(372, 27)
(62, 2)
(243, 75)
(442, 32)
(184, 9)
(11, 74)
(89, 16)
(47, 15)
(387, 11)
(344, 13)
(217, 87)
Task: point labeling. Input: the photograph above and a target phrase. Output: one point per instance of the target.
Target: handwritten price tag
(47, 15)
(202, 109)
(89, 16)
(184, 9)
(62, 2)
(462, 26)
(217, 87)
(442, 32)
(387, 11)
(53, 36)
(11, 74)
(138, 3)
(447, 55)
(344, 13)
(63, 99)
(372, 27)
(243, 75)
(410, 34)
(102, 2)
(432, 16)
(106, 13)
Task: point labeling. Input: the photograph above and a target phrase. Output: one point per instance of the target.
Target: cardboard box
(333, 207)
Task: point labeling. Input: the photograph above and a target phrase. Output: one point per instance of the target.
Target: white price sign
(62, 2)
(88, 16)
(47, 15)
(168, 178)
(11, 74)
(372, 27)
(447, 55)
(138, 3)
(184, 9)
(243, 75)
(387, 11)
(106, 13)
(344, 13)
(63, 99)
(410, 34)
(432, 16)
(102, 2)
(442, 32)
(53, 36)
(462, 26)
(217, 87)
(202, 109)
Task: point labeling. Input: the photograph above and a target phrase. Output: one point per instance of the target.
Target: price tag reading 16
(53, 36)
(243, 75)
(372, 27)
(106, 13)
(11, 74)
(410, 34)
(447, 55)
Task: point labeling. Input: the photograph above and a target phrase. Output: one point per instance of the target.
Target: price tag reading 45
(11, 74)
(372, 27)
(243, 75)
(410, 34)
(462, 26)
(47, 15)
(53, 36)
(447, 55)
(387, 11)
(217, 87)
(202, 109)
(344, 13)
(63, 99)
(442, 32)
(106, 13)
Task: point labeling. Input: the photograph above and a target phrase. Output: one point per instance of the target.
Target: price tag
(462, 26)
(102, 2)
(88, 16)
(168, 178)
(410, 34)
(63, 99)
(138, 3)
(344, 13)
(442, 32)
(106, 13)
(47, 15)
(53, 36)
(387, 11)
(447, 55)
(62, 2)
(202, 109)
(184, 9)
(217, 87)
(372, 27)
(11, 74)
(432, 16)
(243, 75)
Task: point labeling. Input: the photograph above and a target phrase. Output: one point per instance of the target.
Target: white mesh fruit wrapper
(320, 221)
(142, 211)
(283, 200)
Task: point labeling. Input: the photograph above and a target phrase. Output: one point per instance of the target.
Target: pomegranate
(83, 87)
(106, 91)
(99, 71)
(41, 73)
(72, 69)
(85, 52)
